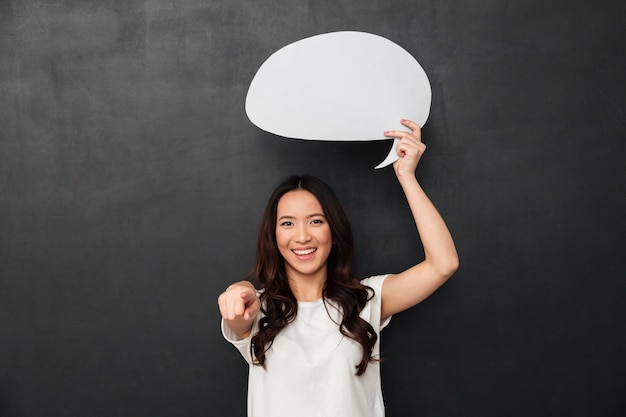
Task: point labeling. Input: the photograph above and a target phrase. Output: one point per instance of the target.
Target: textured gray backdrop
(131, 185)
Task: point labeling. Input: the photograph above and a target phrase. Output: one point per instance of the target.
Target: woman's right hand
(239, 306)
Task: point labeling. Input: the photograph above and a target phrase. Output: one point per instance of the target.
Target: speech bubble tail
(391, 158)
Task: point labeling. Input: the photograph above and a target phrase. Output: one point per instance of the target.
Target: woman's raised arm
(406, 289)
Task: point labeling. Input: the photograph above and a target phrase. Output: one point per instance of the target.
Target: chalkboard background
(132, 182)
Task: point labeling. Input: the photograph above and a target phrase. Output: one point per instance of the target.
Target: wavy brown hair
(279, 305)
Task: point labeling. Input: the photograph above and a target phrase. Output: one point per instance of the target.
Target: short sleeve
(372, 310)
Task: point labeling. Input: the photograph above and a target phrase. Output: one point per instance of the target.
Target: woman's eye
(286, 223)
(317, 221)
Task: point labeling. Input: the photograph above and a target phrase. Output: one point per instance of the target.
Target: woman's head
(303, 235)
(270, 263)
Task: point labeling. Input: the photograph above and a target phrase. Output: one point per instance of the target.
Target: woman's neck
(307, 288)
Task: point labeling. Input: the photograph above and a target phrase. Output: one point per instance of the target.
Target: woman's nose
(302, 234)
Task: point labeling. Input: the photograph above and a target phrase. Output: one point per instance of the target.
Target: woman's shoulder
(374, 278)
(374, 281)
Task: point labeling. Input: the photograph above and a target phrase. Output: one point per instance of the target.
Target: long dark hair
(279, 305)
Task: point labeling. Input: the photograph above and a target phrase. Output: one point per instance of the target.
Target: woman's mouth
(304, 252)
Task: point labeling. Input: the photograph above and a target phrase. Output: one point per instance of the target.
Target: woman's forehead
(299, 202)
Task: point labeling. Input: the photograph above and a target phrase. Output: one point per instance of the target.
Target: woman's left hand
(409, 148)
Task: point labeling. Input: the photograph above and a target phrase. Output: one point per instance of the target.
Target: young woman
(311, 334)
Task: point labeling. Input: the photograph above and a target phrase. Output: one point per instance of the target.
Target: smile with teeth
(303, 252)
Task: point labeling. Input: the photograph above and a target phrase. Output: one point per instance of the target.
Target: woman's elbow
(449, 267)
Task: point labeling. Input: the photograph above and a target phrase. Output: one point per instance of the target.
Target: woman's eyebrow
(289, 217)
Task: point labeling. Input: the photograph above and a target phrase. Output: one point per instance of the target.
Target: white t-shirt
(310, 369)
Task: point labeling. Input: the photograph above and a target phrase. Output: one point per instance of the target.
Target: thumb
(252, 304)
(247, 295)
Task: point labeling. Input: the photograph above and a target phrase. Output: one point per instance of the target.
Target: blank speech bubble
(339, 86)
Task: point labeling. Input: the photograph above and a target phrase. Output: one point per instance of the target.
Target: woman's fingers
(415, 134)
(409, 147)
(415, 128)
(234, 302)
(399, 134)
(251, 303)
(408, 143)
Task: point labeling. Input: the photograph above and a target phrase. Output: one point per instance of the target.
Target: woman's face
(303, 235)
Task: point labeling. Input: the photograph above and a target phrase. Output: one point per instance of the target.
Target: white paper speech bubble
(339, 86)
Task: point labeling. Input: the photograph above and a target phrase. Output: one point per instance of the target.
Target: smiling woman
(311, 334)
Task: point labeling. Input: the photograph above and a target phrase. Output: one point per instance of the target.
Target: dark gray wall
(131, 184)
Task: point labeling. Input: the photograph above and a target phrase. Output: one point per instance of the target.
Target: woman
(311, 335)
